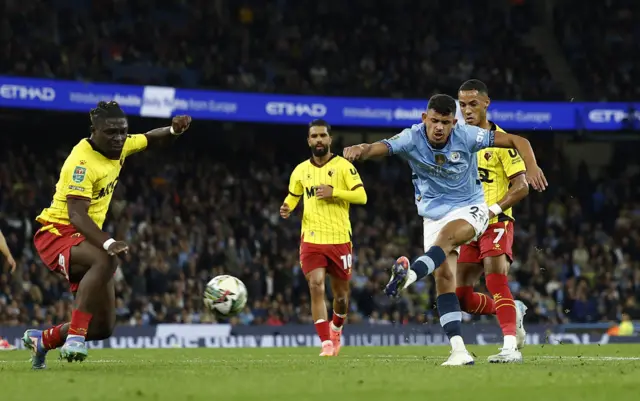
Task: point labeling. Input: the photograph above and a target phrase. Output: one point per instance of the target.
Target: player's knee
(106, 263)
(316, 287)
(446, 241)
(496, 265)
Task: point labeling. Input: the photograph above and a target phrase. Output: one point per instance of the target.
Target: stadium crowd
(390, 48)
(199, 211)
(605, 56)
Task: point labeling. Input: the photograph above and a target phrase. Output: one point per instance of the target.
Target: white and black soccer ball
(225, 296)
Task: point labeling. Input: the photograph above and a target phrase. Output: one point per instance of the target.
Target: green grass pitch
(564, 372)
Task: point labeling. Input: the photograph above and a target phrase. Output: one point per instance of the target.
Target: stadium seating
(601, 42)
(393, 48)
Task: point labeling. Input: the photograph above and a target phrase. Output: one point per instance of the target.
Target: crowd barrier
(227, 336)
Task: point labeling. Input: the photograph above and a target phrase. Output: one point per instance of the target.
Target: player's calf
(316, 279)
(340, 290)
(496, 268)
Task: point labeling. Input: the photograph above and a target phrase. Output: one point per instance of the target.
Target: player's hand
(536, 178)
(118, 247)
(491, 215)
(180, 124)
(12, 263)
(324, 192)
(285, 211)
(352, 153)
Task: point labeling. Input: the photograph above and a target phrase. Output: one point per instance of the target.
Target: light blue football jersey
(444, 179)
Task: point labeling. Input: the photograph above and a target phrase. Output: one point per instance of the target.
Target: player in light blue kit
(449, 196)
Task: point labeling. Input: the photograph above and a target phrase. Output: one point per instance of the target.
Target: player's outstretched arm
(534, 174)
(78, 209)
(4, 249)
(164, 136)
(365, 151)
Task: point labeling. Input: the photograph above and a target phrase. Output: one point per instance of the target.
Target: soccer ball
(225, 296)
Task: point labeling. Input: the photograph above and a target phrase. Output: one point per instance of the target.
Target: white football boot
(521, 334)
(459, 358)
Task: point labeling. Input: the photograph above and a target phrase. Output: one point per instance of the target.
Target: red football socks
(475, 303)
(498, 285)
(51, 338)
(338, 320)
(79, 323)
(322, 328)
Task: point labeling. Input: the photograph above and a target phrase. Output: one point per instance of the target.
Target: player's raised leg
(456, 228)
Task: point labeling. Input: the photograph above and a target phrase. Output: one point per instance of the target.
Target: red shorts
(53, 243)
(495, 241)
(337, 259)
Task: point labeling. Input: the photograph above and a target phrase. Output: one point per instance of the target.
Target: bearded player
(449, 197)
(329, 185)
(502, 173)
(71, 241)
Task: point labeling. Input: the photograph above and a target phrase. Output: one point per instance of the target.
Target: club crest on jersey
(332, 172)
(455, 156)
(487, 155)
(78, 174)
(440, 159)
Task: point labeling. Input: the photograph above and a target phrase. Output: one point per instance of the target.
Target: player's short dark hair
(320, 123)
(474, 85)
(106, 110)
(442, 104)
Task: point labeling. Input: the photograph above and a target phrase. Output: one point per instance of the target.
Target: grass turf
(563, 372)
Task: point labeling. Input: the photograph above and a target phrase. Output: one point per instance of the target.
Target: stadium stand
(356, 48)
(603, 57)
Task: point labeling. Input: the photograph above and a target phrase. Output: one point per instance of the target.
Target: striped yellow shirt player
(496, 168)
(88, 174)
(502, 173)
(327, 185)
(324, 221)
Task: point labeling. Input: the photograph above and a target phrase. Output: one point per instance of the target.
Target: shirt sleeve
(295, 186)
(76, 179)
(512, 163)
(477, 138)
(351, 177)
(134, 144)
(399, 144)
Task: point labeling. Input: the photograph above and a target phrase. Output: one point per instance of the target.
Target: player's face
(319, 141)
(438, 125)
(111, 134)
(473, 106)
